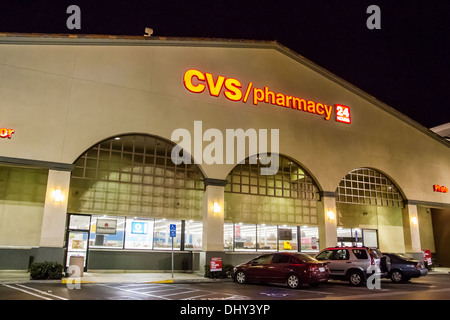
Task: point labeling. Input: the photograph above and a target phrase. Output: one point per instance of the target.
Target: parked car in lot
(294, 269)
(354, 264)
(404, 268)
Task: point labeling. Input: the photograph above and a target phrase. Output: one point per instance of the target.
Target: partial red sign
(6, 133)
(438, 188)
(216, 264)
(427, 256)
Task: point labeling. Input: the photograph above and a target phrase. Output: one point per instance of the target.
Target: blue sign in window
(139, 228)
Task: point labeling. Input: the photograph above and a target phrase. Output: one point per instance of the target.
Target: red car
(294, 269)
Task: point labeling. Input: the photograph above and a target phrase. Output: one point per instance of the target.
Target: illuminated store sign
(438, 188)
(196, 81)
(6, 133)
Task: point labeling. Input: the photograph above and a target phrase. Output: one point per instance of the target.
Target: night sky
(404, 64)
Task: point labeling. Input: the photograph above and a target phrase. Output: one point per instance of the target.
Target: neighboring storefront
(89, 134)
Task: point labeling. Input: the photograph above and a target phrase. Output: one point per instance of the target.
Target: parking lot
(431, 287)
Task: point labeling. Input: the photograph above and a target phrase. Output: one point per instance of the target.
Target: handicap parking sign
(173, 230)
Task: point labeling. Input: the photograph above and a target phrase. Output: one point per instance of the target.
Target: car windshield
(305, 257)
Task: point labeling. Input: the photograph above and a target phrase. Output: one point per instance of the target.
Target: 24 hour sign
(197, 82)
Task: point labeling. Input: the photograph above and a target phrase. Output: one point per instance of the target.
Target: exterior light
(330, 215)
(57, 195)
(216, 207)
(414, 220)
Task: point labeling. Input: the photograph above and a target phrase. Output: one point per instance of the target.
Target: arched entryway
(125, 193)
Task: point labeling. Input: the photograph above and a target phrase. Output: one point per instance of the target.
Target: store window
(162, 238)
(309, 239)
(107, 232)
(267, 238)
(139, 233)
(193, 233)
(245, 237)
(287, 238)
(261, 237)
(228, 236)
(347, 237)
(370, 238)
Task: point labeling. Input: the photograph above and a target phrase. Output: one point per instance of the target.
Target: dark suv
(354, 264)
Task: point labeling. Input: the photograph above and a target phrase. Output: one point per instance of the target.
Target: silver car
(354, 264)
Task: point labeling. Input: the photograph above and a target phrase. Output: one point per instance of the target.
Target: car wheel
(397, 276)
(293, 281)
(241, 277)
(356, 278)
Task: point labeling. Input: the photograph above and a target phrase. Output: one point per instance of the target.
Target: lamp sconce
(414, 221)
(330, 215)
(216, 207)
(57, 195)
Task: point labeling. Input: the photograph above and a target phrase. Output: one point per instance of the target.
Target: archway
(369, 207)
(276, 212)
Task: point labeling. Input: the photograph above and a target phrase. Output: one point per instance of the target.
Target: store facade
(90, 164)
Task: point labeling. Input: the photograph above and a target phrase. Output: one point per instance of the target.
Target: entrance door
(78, 237)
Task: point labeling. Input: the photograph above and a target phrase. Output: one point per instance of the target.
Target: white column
(55, 209)
(328, 234)
(412, 224)
(213, 221)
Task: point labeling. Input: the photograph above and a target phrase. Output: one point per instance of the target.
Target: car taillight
(372, 260)
(313, 268)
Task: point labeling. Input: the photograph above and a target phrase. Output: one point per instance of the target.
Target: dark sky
(404, 64)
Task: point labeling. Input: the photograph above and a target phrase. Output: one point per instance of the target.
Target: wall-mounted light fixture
(414, 220)
(216, 207)
(330, 215)
(57, 195)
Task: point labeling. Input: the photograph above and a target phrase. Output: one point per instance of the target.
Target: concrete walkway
(110, 277)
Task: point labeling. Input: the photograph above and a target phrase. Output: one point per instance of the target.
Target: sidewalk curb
(166, 281)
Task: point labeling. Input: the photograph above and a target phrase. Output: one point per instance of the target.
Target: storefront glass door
(78, 237)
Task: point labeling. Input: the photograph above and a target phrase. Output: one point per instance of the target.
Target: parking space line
(180, 293)
(27, 292)
(39, 294)
(201, 295)
(136, 292)
(42, 292)
(160, 290)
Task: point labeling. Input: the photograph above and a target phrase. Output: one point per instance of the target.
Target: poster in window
(284, 234)
(106, 226)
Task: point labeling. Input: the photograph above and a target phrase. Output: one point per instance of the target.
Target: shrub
(46, 271)
(227, 271)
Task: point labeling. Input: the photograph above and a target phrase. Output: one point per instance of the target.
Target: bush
(46, 271)
(227, 271)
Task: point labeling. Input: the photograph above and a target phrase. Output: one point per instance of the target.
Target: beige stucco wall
(63, 97)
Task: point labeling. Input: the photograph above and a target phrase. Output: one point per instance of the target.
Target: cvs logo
(197, 81)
